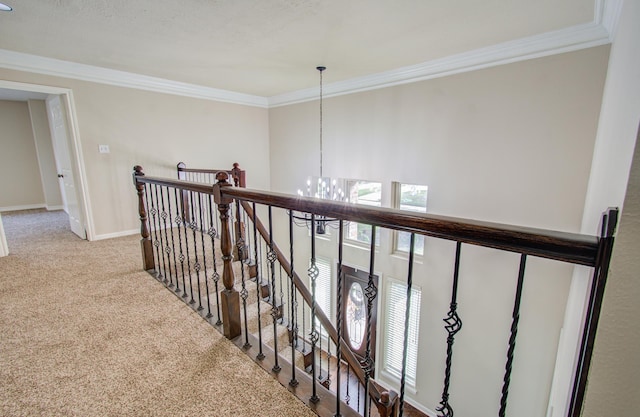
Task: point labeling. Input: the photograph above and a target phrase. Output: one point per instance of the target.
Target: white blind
(394, 330)
(323, 286)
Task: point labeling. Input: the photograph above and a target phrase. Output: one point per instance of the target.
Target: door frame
(77, 158)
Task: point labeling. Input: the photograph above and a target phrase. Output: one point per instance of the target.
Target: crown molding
(566, 40)
(599, 32)
(49, 66)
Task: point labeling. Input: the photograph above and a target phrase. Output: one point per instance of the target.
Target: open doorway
(68, 171)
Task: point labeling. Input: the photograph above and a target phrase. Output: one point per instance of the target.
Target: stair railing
(575, 249)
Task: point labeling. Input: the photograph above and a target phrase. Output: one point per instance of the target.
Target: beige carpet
(84, 332)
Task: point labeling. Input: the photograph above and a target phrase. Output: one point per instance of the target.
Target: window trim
(356, 242)
(396, 190)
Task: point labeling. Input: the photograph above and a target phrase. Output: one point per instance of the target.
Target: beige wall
(44, 151)
(156, 131)
(20, 183)
(511, 144)
(614, 381)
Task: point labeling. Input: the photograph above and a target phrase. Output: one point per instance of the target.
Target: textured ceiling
(271, 47)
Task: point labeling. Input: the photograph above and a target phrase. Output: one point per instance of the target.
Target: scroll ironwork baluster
(260, 355)
(196, 266)
(159, 243)
(294, 329)
(179, 221)
(173, 244)
(313, 334)
(370, 292)
(152, 232)
(272, 257)
(156, 242)
(216, 276)
(244, 294)
(186, 245)
(453, 326)
(512, 338)
(166, 248)
(204, 255)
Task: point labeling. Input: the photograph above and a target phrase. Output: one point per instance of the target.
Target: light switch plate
(103, 148)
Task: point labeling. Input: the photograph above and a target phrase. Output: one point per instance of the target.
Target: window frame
(356, 242)
(396, 189)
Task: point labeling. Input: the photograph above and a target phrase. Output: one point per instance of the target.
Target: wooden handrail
(562, 246)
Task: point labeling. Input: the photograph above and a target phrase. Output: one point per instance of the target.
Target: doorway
(80, 222)
(354, 306)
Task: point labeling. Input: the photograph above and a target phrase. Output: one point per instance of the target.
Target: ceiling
(271, 47)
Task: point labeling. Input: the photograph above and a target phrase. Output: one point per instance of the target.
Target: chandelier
(320, 187)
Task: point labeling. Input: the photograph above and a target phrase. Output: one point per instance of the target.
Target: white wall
(614, 381)
(511, 144)
(156, 131)
(20, 184)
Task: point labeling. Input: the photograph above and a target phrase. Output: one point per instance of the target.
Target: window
(396, 295)
(323, 286)
(367, 193)
(409, 197)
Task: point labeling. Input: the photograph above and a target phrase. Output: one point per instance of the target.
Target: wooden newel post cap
(236, 165)
(221, 181)
(222, 176)
(137, 170)
(384, 397)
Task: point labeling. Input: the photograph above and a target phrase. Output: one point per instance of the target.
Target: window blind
(394, 330)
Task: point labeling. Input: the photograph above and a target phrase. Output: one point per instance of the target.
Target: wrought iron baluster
(167, 249)
(196, 266)
(512, 338)
(179, 221)
(159, 242)
(272, 257)
(173, 244)
(204, 253)
(244, 294)
(339, 320)
(405, 339)
(313, 334)
(186, 241)
(370, 292)
(260, 355)
(216, 276)
(294, 326)
(152, 232)
(453, 324)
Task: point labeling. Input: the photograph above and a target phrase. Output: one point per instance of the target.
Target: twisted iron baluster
(453, 326)
(244, 294)
(272, 257)
(179, 221)
(216, 277)
(370, 292)
(339, 321)
(260, 355)
(405, 346)
(512, 338)
(313, 335)
(294, 326)
(204, 256)
(173, 244)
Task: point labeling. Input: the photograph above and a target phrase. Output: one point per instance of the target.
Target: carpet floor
(85, 332)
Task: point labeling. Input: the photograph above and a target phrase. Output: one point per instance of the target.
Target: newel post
(230, 298)
(145, 242)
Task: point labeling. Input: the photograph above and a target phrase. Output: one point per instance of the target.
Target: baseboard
(25, 207)
(54, 208)
(117, 234)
